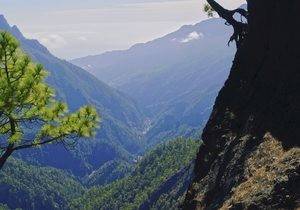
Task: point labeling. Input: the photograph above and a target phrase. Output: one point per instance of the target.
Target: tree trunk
(9, 150)
(5, 156)
(240, 28)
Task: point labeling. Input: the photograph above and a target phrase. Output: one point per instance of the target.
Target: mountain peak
(17, 33)
(3, 22)
(2, 17)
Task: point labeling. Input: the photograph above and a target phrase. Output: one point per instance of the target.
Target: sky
(77, 28)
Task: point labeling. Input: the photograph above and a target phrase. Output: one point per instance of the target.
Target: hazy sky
(75, 28)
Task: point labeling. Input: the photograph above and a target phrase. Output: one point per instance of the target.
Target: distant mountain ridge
(174, 79)
(119, 135)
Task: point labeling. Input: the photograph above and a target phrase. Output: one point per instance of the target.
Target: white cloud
(82, 38)
(53, 41)
(106, 25)
(192, 36)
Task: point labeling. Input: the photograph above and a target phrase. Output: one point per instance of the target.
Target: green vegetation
(159, 181)
(26, 101)
(155, 168)
(109, 172)
(208, 10)
(3, 207)
(171, 194)
(32, 187)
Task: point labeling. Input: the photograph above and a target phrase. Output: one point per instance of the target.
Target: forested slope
(157, 167)
(33, 187)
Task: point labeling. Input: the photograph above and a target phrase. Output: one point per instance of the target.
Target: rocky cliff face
(250, 157)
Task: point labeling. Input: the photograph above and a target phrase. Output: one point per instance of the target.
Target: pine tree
(29, 114)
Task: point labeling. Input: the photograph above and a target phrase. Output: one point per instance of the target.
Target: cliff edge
(250, 157)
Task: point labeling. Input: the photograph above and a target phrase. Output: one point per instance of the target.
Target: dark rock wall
(261, 95)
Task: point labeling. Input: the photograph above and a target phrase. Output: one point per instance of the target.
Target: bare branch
(24, 146)
(240, 28)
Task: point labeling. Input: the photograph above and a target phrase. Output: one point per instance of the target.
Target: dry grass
(266, 166)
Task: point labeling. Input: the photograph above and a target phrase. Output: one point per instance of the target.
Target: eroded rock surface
(250, 157)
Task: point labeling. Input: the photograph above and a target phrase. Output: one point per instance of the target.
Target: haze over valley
(149, 104)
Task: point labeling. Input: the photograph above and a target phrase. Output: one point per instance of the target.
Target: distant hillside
(159, 179)
(174, 79)
(122, 122)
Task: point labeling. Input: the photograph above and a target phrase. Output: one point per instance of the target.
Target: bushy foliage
(3, 207)
(208, 10)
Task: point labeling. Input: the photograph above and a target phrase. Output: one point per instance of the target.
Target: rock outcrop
(250, 157)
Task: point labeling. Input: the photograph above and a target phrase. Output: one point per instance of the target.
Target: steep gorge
(119, 135)
(250, 157)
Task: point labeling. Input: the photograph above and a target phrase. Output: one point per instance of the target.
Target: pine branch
(25, 146)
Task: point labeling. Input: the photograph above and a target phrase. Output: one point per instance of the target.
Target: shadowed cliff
(250, 157)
